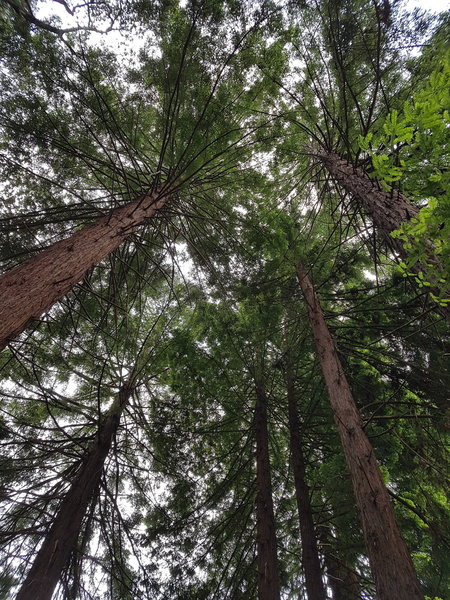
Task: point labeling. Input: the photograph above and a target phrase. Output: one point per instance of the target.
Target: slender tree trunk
(268, 579)
(342, 580)
(31, 288)
(310, 554)
(62, 536)
(388, 555)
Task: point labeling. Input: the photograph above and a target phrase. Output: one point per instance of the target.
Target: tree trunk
(31, 288)
(342, 580)
(62, 536)
(311, 562)
(388, 210)
(388, 555)
(268, 580)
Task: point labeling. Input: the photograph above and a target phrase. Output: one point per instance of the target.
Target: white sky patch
(435, 6)
(122, 43)
(185, 264)
(369, 275)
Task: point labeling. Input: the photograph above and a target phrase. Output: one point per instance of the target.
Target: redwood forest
(224, 300)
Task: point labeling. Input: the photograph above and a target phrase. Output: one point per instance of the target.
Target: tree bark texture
(386, 209)
(63, 534)
(389, 558)
(31, 288)
(268, 578)
(310, 555)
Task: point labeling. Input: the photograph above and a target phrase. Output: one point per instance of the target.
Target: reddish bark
(388, 210)
(31, 288)
(310, 555)
(268, 579)
(388, 555)
(62, 536)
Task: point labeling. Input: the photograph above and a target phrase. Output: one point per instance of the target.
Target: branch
(30, 18)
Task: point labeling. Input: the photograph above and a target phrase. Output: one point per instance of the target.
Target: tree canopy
(203, 202)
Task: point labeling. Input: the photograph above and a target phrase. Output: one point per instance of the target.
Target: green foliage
(224, 99)
(418, 146)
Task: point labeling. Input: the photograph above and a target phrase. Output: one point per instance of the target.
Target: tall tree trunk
(388, 555)
(62, 536)
(342, 580)
(268, 579)
(388, 210)
(310, 555)
(31, 288)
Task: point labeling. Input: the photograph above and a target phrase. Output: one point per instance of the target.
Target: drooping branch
(28, 16)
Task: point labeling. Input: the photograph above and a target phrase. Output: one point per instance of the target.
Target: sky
(48, 8)
(433, 5)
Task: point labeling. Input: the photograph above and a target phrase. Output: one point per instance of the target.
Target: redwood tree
(83, 133)
(31, 288)
(268, 577)
(342, 580)
(71, 129)
(61, 538)
(388, 210)
(310, 554)
(389, 557)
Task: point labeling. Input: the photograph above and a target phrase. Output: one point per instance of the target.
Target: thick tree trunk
(31, 288)
(386, 209)
(268, 579)
(62, 536)
(310, 555)
(388, 555)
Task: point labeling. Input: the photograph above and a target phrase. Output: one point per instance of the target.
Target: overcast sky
(50, 7)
